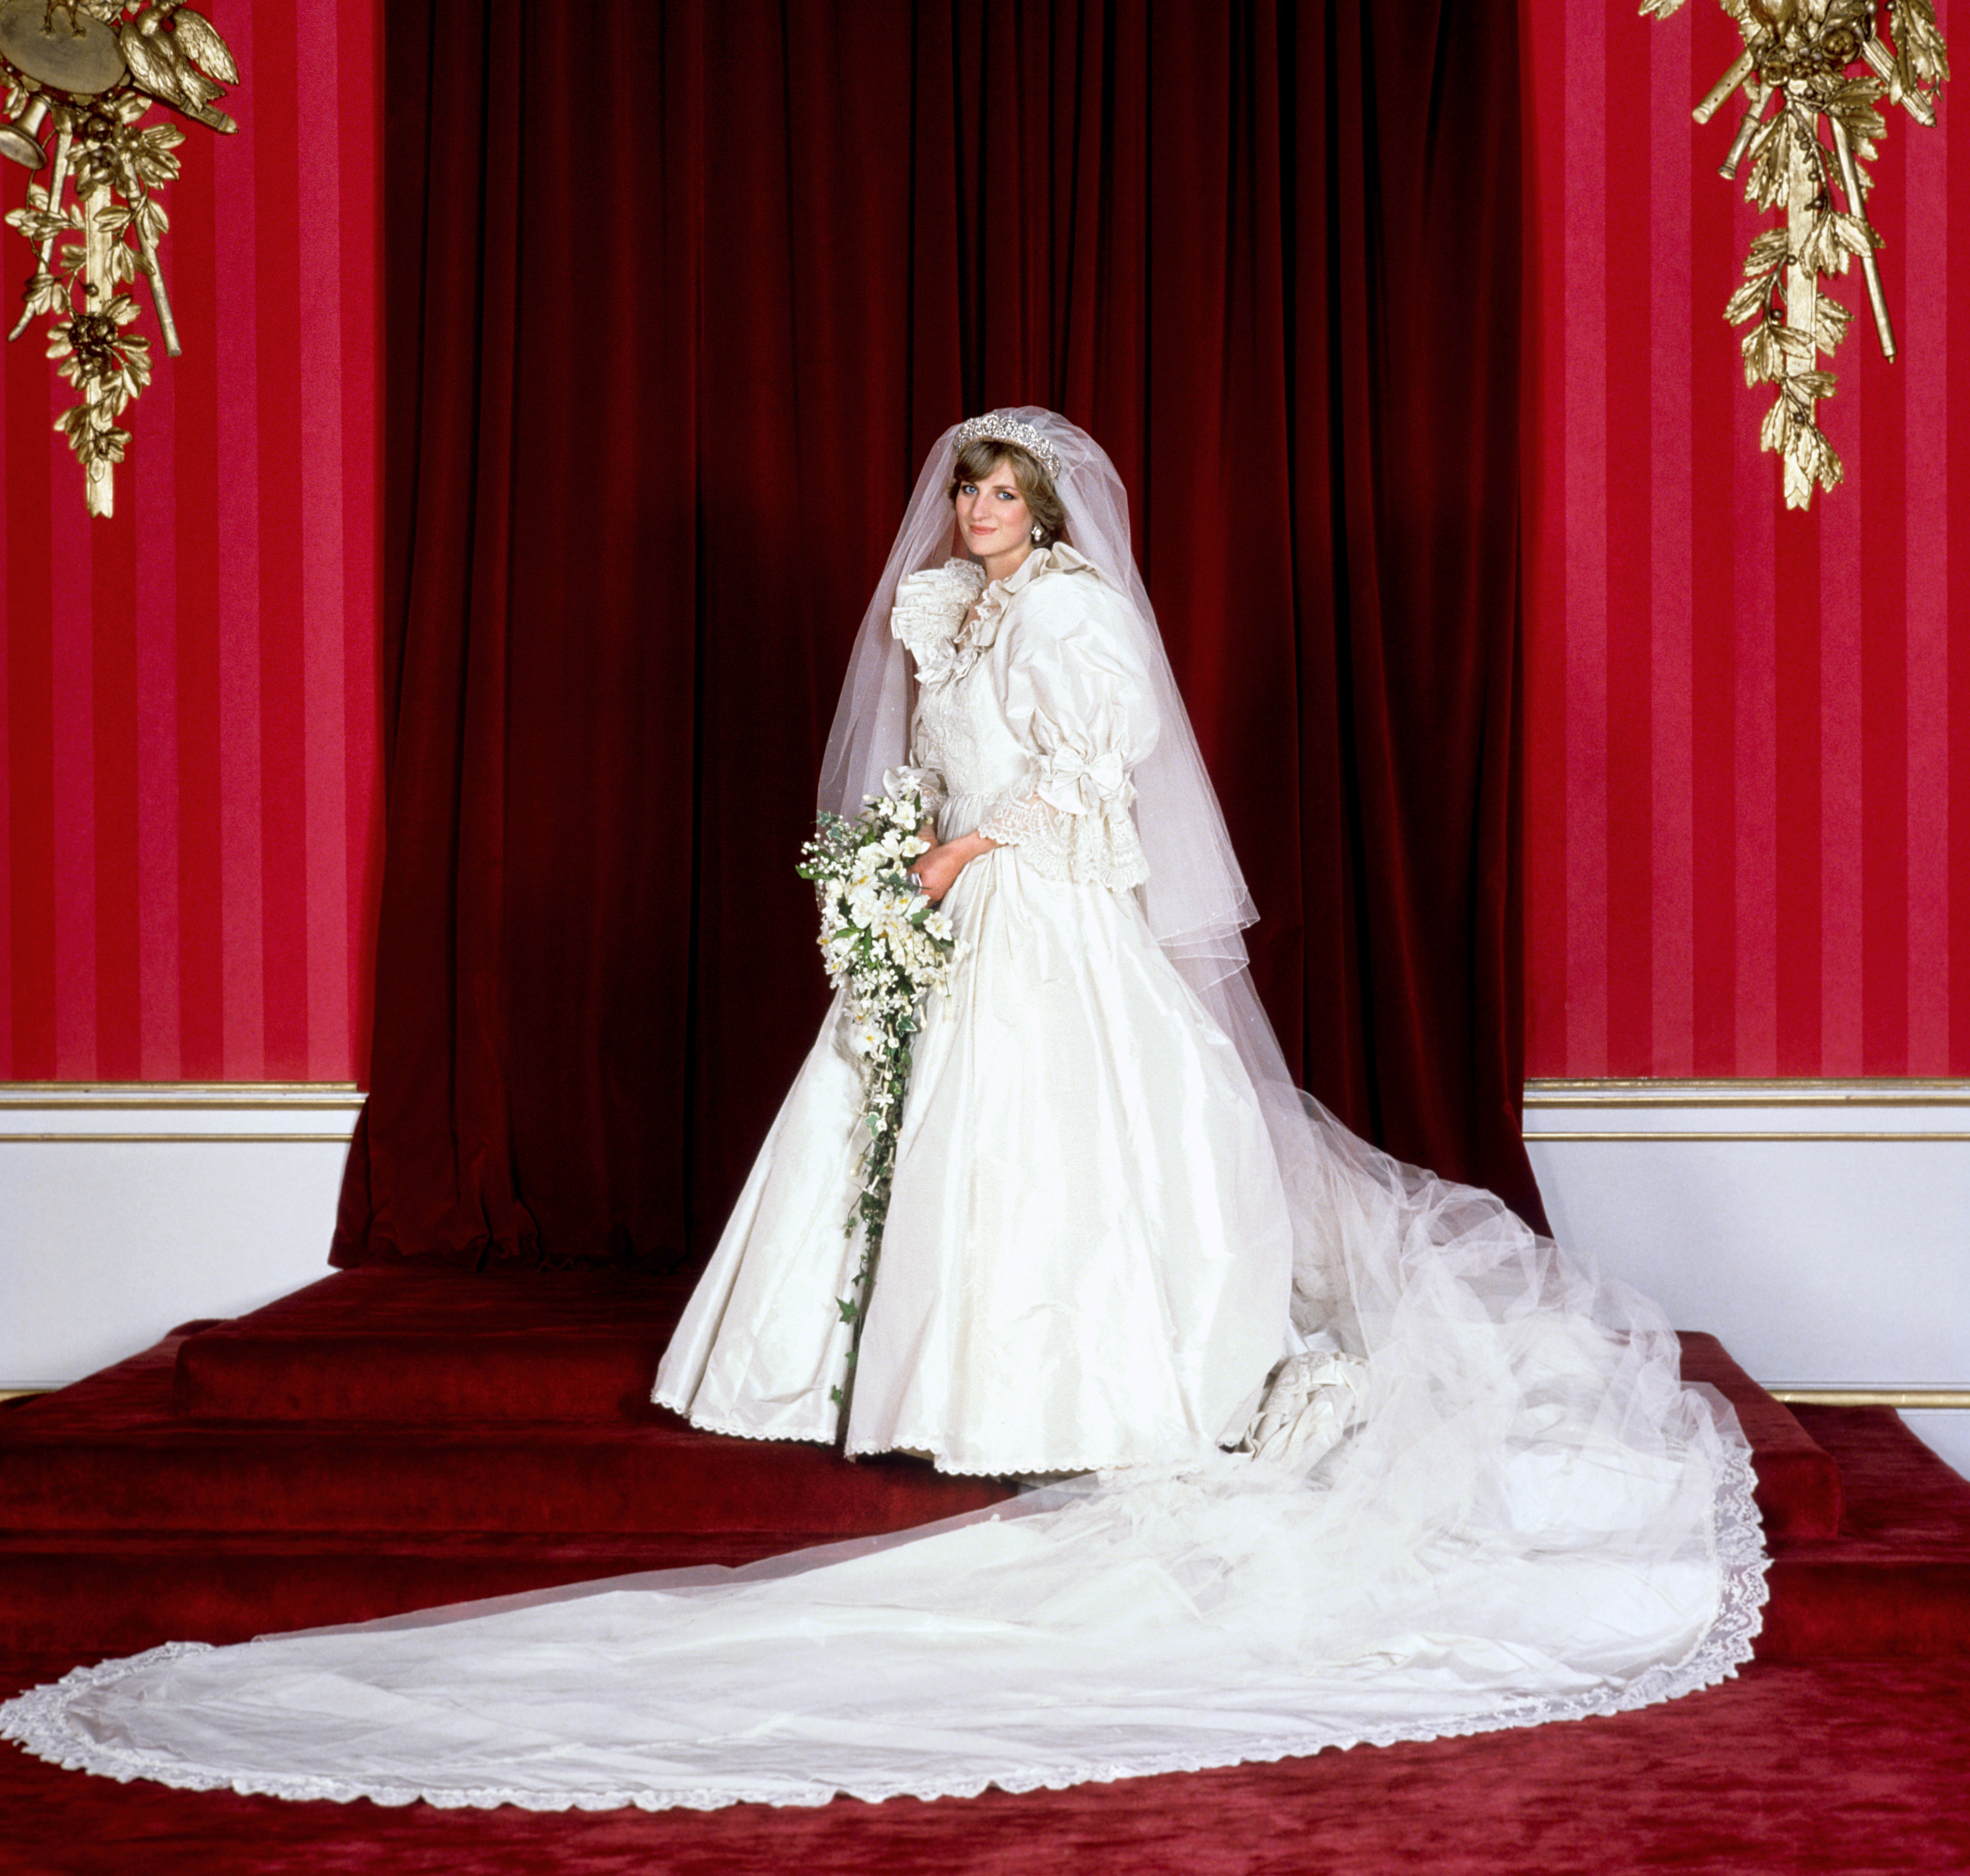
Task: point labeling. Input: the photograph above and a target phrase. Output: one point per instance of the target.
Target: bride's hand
(937, 871)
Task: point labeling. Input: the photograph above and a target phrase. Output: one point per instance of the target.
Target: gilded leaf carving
(1806, 64)
(86, 75)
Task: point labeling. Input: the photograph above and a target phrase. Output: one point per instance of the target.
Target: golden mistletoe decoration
(88, 72)
(1806, 63)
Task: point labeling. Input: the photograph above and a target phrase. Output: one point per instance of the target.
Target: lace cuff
(1101, 848)
(1017, 820)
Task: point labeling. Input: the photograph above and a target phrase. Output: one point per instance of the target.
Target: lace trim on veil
(40, 1720)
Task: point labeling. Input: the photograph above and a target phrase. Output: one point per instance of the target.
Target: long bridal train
(1523, 1516)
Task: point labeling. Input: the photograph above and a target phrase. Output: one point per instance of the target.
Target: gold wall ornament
(1802, 54)
(88, 72)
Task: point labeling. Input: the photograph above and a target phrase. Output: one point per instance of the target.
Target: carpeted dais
(394, 1437)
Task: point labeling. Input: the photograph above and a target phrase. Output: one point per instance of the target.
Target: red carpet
(403, 1343)
(360, 1448)
(389, 1438)
(1895, 1579)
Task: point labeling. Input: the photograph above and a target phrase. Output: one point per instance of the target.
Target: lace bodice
(1031, 711)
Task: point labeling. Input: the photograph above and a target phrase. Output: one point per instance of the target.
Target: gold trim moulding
(1683, 1137)
(295, 1097)
(150, 1091)
(172, 1140)
(1899, 1092)
(349, 1105)
(1909, 1397)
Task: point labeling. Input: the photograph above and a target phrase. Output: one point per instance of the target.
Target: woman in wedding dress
(1088, 1250)
(1356, 1456)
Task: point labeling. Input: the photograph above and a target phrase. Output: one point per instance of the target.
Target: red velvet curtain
(678, 295)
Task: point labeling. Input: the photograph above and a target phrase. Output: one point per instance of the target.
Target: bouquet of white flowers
(885, 943)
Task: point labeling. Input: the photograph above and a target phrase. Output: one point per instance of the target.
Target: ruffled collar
(929, 611)
(982, 632)
(934, 615)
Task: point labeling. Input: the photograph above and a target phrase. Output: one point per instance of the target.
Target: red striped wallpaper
(1748, 810)
(189, 821)
(1749, 796)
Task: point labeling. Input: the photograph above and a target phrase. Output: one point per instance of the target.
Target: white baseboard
(125, 1210)
(1821, 1229)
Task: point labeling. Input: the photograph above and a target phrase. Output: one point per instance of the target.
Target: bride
(1351, 1455)
(1088, 1250)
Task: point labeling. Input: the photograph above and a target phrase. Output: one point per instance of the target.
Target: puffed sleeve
(1077, 695)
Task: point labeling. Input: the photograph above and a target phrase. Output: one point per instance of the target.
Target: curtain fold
(679, 294)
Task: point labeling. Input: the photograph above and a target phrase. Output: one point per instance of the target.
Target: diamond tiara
(997, 426)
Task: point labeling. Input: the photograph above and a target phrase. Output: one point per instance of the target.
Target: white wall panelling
(1821, 1229)
(126, 1210)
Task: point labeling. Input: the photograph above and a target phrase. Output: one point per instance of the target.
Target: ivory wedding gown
(1088, 1254)
(1471, 1491)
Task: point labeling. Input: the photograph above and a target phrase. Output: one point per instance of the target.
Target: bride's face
(993, 515)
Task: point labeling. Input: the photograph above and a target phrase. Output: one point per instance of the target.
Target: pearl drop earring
(1039, 534)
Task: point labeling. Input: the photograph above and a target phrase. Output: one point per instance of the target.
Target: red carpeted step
(389, 1343)
(390, 1438)
(1896, 1584)
(1896, 1581)
(1798, 1482)
(108, 1454)
(70, 1464)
